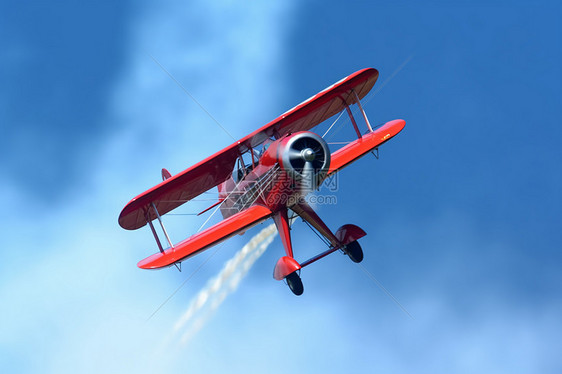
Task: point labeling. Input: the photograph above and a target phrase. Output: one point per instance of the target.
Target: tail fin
(165, 174)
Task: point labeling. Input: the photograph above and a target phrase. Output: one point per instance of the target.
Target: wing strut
(176, 264)
(155, 236)
(350, 114)
(154, 231)
(353, 121)
(362, 111)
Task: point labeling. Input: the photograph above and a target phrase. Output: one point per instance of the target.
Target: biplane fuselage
(264, 175)
(277, 178)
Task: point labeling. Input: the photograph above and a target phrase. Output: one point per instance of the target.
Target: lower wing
(207, 238)
(358, 148)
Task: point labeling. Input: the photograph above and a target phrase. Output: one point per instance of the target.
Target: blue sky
(462, 210)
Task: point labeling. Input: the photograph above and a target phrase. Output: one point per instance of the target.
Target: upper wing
(179, 189)
(214, 170)
(207, 238)
(358, 148)
(317, 108)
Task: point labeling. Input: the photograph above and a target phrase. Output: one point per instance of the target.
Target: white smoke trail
(226, 282)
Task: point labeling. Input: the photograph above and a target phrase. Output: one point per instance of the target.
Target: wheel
(354, 251)
(295, 283)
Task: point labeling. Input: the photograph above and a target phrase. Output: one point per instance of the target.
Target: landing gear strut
(295, 283)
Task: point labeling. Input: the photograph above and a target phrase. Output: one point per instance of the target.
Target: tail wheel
(295, 283)
(354, 251)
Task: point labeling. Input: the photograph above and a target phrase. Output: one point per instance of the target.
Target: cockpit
(249, 160)
(245, 164)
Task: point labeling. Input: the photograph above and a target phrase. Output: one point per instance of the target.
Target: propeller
(308, 157)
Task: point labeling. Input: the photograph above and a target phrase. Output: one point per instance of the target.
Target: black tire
(354, 251)
(295, 283)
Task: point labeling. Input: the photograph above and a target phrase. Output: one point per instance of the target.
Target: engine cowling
(305, 156)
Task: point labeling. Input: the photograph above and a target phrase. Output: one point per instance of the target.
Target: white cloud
(79, 304)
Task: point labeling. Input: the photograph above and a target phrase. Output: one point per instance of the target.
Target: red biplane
(264, 175)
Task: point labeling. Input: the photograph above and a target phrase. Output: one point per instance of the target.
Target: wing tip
(155, 261)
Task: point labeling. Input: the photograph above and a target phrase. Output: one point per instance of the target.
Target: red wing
(317, 108)
(354, 150)
(214, 170)
(207, 238)
(178, 189)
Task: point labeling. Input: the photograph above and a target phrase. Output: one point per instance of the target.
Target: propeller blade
(308, 177)
(294, 154)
